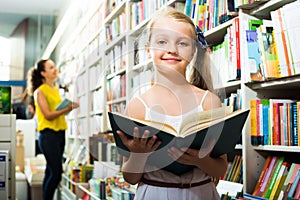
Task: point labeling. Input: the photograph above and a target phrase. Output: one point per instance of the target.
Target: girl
(51, 123)
(174, 43)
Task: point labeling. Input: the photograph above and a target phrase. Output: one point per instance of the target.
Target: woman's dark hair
(34, 76)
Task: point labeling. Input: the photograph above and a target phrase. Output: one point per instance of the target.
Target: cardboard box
(36, 192)
(20, 159)
(21, 186)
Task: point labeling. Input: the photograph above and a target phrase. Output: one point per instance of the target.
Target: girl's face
(51, 71)
(171, 44)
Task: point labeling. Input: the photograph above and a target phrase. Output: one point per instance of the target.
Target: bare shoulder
(211, 101)
(135, 108)
(38, 94)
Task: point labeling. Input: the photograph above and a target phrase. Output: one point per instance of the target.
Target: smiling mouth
(171, 59)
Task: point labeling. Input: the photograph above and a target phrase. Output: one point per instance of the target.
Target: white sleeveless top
(174, 121)
(145, 192)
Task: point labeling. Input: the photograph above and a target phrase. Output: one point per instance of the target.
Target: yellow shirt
(53, 98)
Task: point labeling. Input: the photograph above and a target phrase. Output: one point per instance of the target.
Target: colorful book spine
(285, 183)
(188, 7)
(253, 121)
(274, 177)
(290, 181)
(261, 176)
(294, 186)
(297, 192)
(280, 180)
(265, 120)
(266, 178)
(294, 123)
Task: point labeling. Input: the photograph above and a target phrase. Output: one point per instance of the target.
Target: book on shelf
(233, 171)
(268, 50)
(254, 65)
(221, 126)
(238, 171)
(286, 181)
(266, 178)
(65, 102)
(293, 187)
(282, 174)
(252, 197)
(297, 192)
(86, 173)
(262, 176)
(273, 177)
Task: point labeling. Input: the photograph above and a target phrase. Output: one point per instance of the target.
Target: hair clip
(201, 38)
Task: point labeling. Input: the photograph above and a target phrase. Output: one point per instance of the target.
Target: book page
(191, 123)
(203, 119)
(158, 125)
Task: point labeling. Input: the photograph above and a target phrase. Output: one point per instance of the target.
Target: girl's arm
(215, 167)
(44, 107)
(133, 172)
(140, 148)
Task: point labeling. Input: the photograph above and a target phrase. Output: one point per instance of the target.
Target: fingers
(144, 138)
(175, 153)
(140, 143)
(207, 148)
(122, 136)
(191, 152)
(75, 105)
(184, 155)
(136, 135)
(154, 143)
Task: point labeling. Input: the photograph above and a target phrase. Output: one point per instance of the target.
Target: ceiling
(12, 12)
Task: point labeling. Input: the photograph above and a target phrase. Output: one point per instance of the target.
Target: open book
(198, 130)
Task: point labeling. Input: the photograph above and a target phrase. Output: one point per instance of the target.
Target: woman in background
(51, 123)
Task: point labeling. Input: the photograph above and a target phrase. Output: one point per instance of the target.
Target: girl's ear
(148, 51)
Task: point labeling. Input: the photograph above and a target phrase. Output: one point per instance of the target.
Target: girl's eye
(182, 44)
(160, 42)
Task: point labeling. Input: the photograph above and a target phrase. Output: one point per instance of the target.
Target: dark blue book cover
(228, 130)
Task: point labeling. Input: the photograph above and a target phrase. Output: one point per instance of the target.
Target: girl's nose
(172, 48)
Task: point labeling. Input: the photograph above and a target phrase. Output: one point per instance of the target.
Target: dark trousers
(52, 145)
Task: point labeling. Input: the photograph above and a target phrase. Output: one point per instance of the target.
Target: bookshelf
(277, 88)
(103, 73)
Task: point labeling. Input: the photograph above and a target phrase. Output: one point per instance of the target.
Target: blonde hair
(200, 71)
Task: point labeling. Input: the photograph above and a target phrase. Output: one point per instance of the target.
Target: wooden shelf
(294, 149)
(263, 12)
(290, 82)
(216, 34)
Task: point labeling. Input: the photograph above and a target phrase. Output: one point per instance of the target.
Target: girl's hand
(189, 156)
(139, 144)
